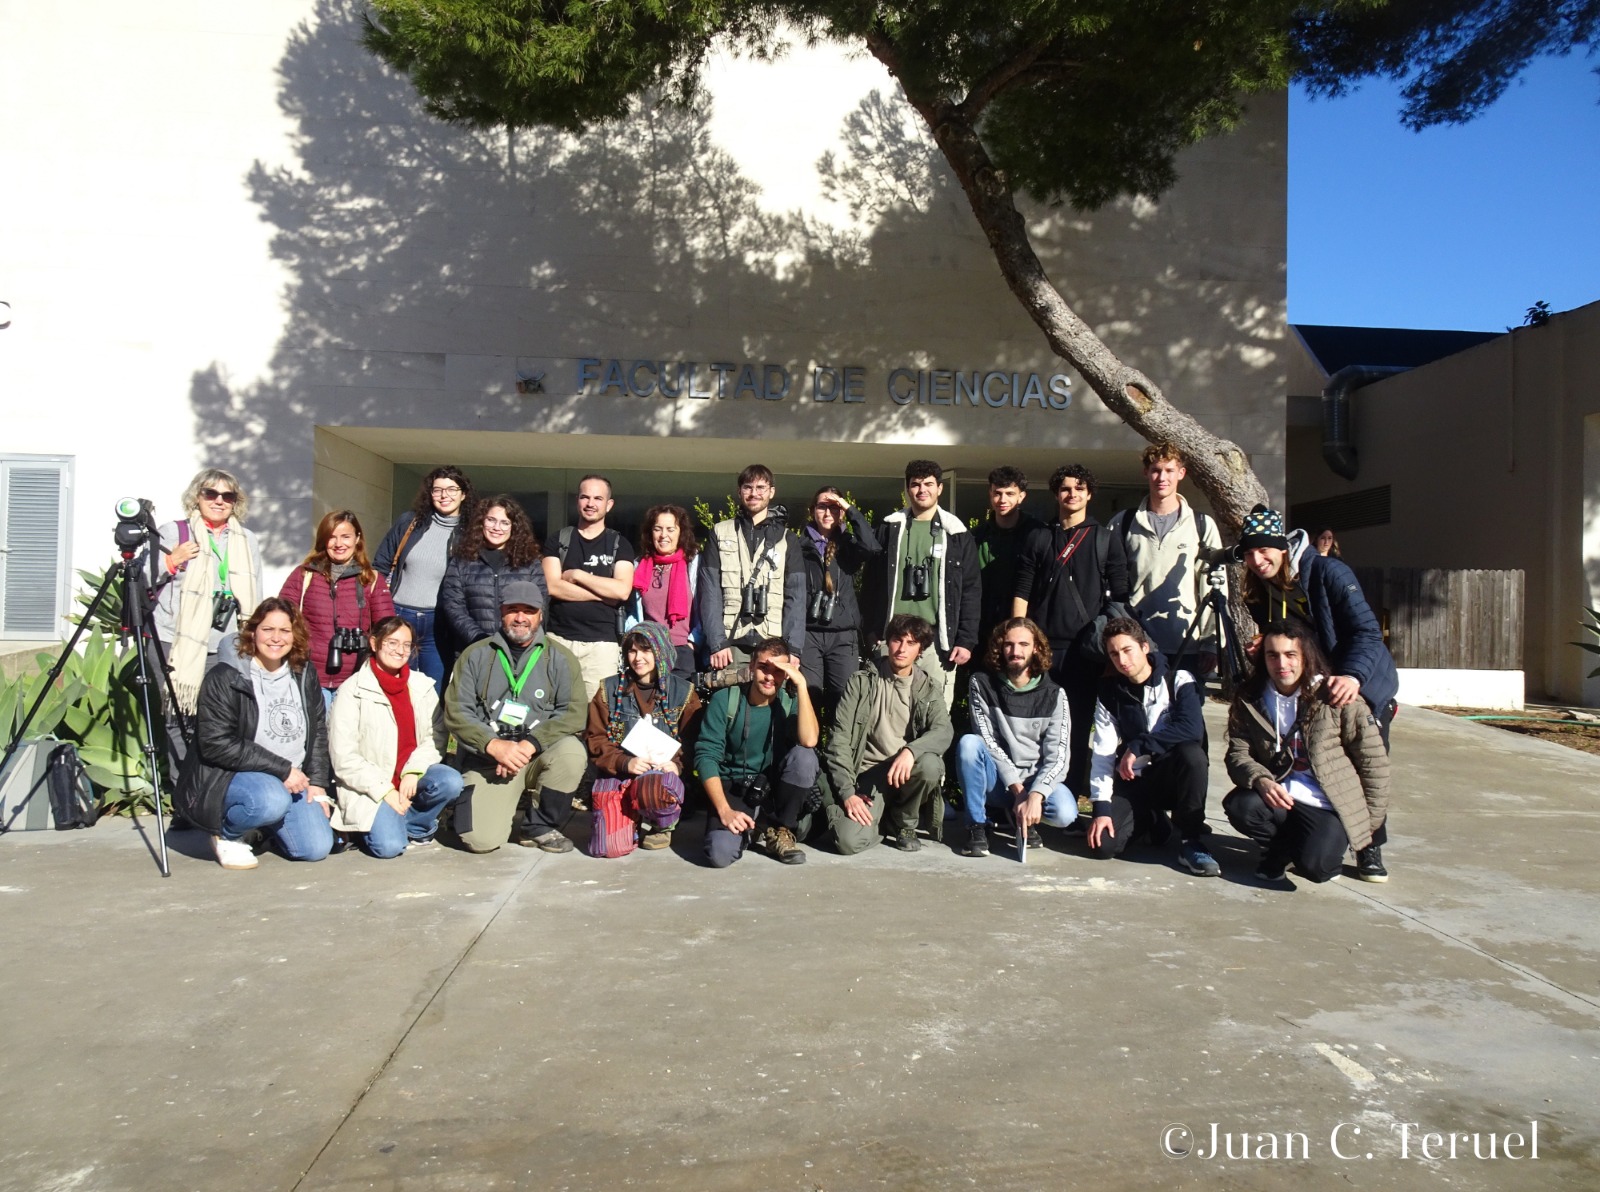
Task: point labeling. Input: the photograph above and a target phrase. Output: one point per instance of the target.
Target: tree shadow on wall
(423, 259)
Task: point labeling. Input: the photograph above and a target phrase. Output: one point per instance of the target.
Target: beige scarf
(191, 641)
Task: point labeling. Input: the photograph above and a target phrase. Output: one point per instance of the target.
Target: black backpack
(72, 803)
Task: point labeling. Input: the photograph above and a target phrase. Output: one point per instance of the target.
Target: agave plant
(94, 703)
(1591, 625)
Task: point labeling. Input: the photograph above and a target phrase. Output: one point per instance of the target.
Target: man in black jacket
(928, 569)
(1066, 574)
(1148, 759)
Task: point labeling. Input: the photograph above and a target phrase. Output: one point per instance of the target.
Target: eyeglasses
(446, 491)
(395, 644)
(212, 494)
(497, 523)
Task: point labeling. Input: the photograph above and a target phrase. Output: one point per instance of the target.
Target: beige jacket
(1168, 577)
(362, 744)
(1345, 750)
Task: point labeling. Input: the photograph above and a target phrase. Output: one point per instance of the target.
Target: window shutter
(32, 560)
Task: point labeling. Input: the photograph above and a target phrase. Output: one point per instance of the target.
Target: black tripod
(1232, 662)
(135, 528)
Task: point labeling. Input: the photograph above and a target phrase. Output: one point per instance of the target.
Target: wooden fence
(1468, 620)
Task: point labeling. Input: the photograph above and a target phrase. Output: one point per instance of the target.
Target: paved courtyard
(517, 1020)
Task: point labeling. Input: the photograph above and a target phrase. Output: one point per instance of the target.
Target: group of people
(801, 679)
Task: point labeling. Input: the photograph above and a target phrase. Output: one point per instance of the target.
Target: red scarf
(398, 689)
(677, 582)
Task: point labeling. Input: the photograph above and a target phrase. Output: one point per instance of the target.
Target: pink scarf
(677, 582)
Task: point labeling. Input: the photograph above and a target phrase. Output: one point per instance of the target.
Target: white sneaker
(234, 854)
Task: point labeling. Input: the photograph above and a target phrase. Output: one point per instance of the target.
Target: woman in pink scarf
(665, 580)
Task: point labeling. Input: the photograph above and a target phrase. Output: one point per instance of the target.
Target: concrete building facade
(242, 242)
(1491, 459)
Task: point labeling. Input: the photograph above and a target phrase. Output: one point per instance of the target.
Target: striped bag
(614, 832)
(656, 797)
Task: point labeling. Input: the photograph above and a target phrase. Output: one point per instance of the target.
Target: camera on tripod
(136, 523)
(345, 640)
(821, 608)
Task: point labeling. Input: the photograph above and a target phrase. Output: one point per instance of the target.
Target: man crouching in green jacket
(516, 706)
(885, 757)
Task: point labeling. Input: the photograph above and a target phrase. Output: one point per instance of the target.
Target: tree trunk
(1218, 466)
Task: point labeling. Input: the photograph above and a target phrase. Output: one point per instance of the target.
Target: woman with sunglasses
(498, 547)
(260, 761)
(212, 568)
(340, 596)
(385, 735)
(412, 557)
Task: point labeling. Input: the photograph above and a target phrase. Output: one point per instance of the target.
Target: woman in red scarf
(384, 738)
(665, 580)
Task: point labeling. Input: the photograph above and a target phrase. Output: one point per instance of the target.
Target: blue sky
(1461, 227)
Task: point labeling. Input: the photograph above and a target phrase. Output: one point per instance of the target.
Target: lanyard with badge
(224, 604)
(511, 718)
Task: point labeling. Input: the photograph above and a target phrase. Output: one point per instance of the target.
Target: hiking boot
(1369, 864)
(661, 838)
(977, 842)
(234, 854)
(781, 846)
(1192, 856)
(906, 841)
(550, 842)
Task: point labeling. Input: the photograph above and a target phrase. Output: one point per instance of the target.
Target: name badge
(512, 713)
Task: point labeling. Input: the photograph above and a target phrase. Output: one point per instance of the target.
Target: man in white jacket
(1170, 547)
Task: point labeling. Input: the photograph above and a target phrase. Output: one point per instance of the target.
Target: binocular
(345, 641)
(820, 610)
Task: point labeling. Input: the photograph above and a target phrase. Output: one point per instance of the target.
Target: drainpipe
(1338, 429)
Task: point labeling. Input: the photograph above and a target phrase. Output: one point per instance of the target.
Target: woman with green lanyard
(212, 569)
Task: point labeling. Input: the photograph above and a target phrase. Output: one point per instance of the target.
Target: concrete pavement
(444, 1021)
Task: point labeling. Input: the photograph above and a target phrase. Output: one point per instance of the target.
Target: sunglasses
(212, 494)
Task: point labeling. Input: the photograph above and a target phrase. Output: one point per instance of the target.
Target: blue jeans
(258, 801)
(981, 787)
(438, 787)
(429, 660)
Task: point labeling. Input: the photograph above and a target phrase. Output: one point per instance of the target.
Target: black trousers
(1175, 782)
(1313, 839)
(830, 657)
(1080, 682)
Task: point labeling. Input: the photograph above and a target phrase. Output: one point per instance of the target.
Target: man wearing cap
(516, 705)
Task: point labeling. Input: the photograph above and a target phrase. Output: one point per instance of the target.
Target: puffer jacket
(1343, 745)
(363, 741)
(469, 597)
(1347, 630)
(928, 731)
(225, 742)
(317, 605)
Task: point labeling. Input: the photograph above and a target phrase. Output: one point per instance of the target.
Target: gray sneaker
(1193, 857)
(550, 842)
